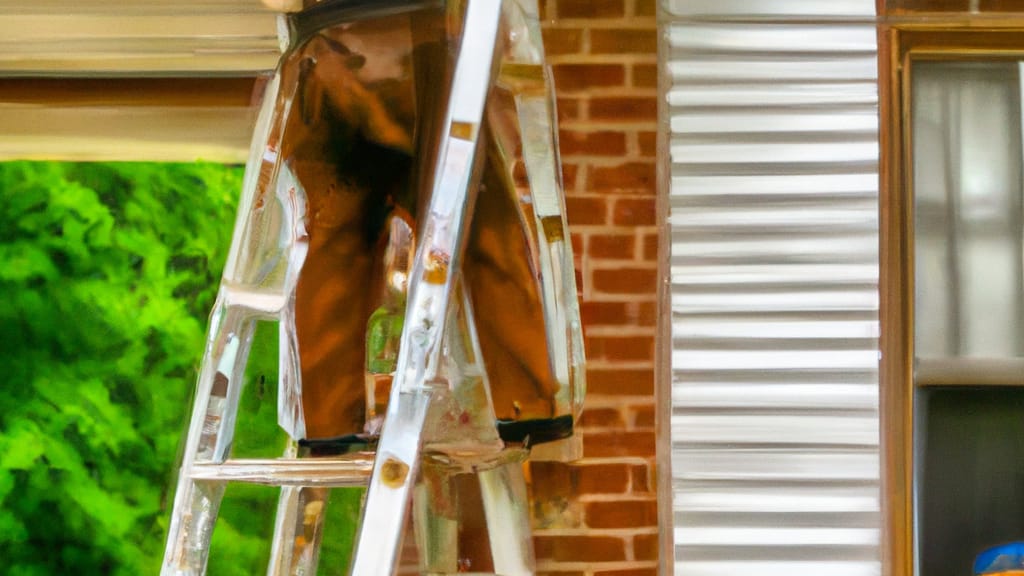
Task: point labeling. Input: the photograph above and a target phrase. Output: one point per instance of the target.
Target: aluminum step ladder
(439, 361)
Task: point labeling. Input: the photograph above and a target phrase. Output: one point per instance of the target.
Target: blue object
(1000, 558)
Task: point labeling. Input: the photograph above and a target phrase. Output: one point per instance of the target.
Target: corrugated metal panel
(774, 267)
(808, 9)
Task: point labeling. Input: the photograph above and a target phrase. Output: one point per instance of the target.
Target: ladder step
(351, 470)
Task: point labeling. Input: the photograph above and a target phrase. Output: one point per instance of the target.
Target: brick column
(598, 517)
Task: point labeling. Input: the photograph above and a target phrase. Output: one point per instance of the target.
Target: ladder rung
(346, 471)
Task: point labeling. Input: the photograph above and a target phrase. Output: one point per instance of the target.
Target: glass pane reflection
(968, 226)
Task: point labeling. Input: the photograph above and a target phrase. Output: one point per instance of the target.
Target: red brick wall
(604, 56)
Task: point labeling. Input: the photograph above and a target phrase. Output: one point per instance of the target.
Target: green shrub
(107, 274)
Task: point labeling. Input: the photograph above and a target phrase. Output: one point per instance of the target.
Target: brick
(577, 77)
(602, 478)
(552, 496)
(580, 548)
(558, 41)
(644, 8)
(648, 142)
(560, 573)
(625, 348)
(624, 109)
(650, 247)
(645, 547)
(629, 572)
(623, 41)
(591, 8)
(604, 313)
(635, 514)
(586, 210)
(643, 416)
(618, 313)
(635, 212)
(625, 280)
(619, 444)
(569, 174)
(546, 9)
(641, 479)
(568, 109)
(550, 478)
(646, 313)
(602, 143)
(577, 244)
(645, 75)
(631, 176)
(601, 418)
(620, 381)
(611, 246)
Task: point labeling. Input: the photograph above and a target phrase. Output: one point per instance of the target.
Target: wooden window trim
(908, 7)
(901, 42)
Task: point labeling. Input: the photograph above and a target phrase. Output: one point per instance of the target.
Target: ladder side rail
(437, 259)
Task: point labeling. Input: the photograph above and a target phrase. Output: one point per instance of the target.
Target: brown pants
(350, 143)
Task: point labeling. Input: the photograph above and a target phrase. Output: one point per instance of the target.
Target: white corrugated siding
(774, 267)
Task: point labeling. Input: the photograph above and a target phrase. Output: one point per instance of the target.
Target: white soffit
(109, 41)
(140, 37)
(773, 200)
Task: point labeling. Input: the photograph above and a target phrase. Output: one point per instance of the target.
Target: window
(953, 293)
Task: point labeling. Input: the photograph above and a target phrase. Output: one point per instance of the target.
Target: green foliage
(108, 271)
(107, 274)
